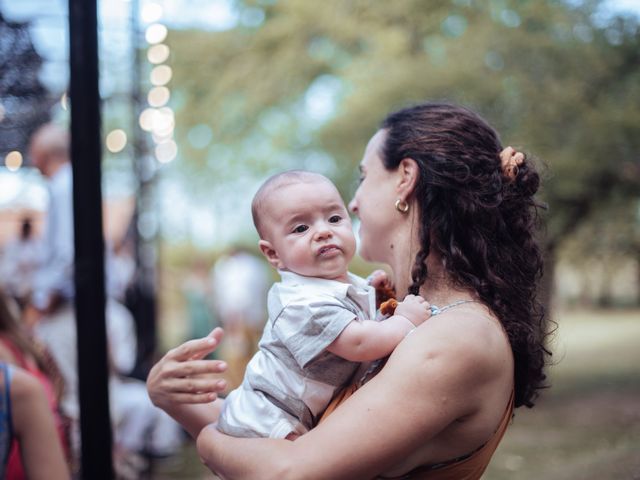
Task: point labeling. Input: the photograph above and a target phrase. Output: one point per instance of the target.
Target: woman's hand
(182, 383)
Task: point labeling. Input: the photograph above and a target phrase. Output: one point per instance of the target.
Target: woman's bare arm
(40, 447)
(186, 386)
(430, 380)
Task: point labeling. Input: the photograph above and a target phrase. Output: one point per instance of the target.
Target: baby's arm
(370, 340)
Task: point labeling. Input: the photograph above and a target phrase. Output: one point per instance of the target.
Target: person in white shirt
(138, 425)
(53, 280)
(239, 282)
(321, 317)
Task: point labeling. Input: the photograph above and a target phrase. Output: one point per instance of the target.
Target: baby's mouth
(327, 250)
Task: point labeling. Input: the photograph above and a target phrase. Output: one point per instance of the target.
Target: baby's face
(310, 230)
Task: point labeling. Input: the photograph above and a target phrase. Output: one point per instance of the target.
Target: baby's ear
(270, 253)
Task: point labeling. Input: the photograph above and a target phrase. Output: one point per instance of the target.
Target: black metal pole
(144, 305)
(95, 422)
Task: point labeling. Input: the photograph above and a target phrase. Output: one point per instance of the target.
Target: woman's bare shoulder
(25, 388)
(463, 349)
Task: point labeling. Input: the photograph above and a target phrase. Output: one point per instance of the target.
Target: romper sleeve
(307, 328)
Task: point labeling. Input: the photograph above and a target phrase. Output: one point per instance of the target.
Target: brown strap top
(468, 467)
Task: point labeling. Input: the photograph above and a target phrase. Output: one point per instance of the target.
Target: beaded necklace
(437, 310)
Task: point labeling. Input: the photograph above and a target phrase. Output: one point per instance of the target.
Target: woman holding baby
(453, 218)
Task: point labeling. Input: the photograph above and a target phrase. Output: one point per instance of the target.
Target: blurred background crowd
(202, 99)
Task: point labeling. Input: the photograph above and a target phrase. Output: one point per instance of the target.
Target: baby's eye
(335, 218)
(300, 229)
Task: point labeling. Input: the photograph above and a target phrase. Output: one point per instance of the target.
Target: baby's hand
(414, 308)
(379, 279)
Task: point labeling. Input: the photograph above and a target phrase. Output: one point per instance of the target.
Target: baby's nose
(323, 231)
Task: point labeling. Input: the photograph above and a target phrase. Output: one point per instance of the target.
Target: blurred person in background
(51, 313)
(19, 262)
(18, 349)
(120, 269)
(26, 418)
(53, 281)
(139, 427)
(240, 280)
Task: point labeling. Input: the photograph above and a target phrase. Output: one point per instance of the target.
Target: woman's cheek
(365, 246)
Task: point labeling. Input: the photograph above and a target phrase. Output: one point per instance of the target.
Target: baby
(321, 317)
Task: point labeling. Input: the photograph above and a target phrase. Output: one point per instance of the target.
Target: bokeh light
(166, 151)
(151, 12)
(146, 119)
(156, 33)
(161, 75)
(158, 53)
(162, 137)
(163, 122)
(116, 140)
(13, 160)
(158, 96)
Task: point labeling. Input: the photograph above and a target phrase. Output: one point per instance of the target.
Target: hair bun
(527, 180)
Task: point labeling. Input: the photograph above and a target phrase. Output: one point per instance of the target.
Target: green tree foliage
(558, 80)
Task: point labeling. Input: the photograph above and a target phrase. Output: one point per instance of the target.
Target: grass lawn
(585, 427)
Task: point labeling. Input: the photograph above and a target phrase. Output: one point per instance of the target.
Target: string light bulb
(158, 53)
(116, 140)
(160, 75)
(13, 160)
(156, 33)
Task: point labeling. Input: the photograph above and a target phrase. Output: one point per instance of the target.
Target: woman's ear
(270, 253)
(409, 172)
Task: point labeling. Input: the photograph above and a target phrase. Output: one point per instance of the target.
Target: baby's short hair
(259, 203)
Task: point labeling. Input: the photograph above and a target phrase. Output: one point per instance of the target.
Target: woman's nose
(353, 206)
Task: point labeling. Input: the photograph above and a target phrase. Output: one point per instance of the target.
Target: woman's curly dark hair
(479, 221)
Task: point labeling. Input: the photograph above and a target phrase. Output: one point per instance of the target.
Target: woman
(25, 415)
(16, 348)
(455, 224)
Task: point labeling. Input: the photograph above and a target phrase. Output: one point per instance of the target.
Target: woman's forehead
(374, 149)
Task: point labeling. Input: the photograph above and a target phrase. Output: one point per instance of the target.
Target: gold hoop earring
(402, 206)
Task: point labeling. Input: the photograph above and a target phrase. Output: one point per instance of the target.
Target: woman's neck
(401, 259)
(441, 291)
(438, 289)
